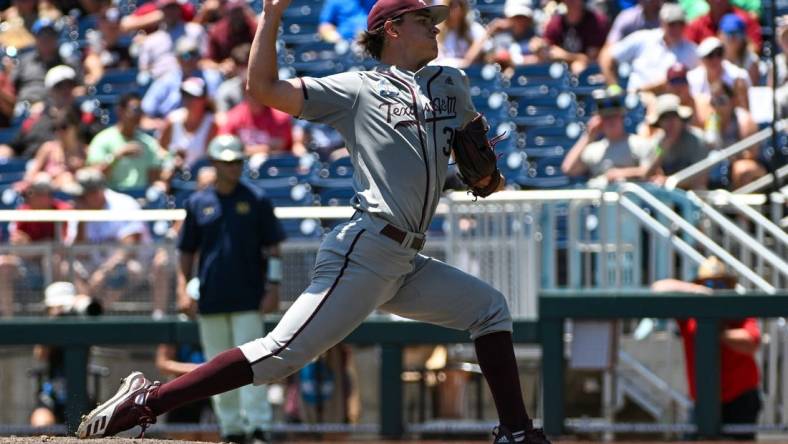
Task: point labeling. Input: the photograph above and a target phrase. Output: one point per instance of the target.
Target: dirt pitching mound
(70, 440)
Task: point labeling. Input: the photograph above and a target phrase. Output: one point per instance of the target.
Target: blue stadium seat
(280, 165)
(544, 173)
(13, 165)
(547, 136)
(334, 197)
(288, 196)
(297, 33)
(302, 228)
(9, 200)
(7, 135)
(11, 177)
(180, 190)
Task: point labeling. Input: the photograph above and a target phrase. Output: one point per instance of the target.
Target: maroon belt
(392, 232)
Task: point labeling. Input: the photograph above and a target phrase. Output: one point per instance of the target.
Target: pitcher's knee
(271, 362)
(495, 318)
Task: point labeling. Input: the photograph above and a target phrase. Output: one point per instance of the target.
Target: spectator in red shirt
(263, 130)
(739, 341)
(235, 28)
(708, 25)
(578, 35)
(38, 196)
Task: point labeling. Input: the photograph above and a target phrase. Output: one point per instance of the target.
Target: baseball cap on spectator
(187, 48)
(671, 13)
(515, 8)
(43, 25)
(732, 24)
(668, 104)
(88, 179)
(608, 101)
(41, 183)
(60, 294)
(677, 73)
(389, 9)
(226, 148)
(193, 86)
(59, 74)
(708, 45)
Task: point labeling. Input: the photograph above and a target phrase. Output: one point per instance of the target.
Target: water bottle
(712, 131)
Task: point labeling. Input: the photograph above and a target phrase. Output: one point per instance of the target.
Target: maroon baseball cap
(389, 9)
(677, 71)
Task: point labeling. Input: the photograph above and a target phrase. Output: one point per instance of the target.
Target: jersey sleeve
(328, 99)
(189, 237)
(272, 230)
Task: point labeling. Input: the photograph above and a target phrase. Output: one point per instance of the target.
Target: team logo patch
(207, 211)
(242, 208)
(387, 90)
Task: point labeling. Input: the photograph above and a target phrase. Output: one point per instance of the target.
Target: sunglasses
(678, 81)
(716, 284)
(134, 110)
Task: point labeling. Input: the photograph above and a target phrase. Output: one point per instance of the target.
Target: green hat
(226, 148)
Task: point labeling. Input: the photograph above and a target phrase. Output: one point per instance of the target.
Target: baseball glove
(475, 157)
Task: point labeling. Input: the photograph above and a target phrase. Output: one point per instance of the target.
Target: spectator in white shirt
(650, 53)
(110, 271)
(714, 69)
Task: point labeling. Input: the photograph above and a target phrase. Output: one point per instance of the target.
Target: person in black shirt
(236, 234)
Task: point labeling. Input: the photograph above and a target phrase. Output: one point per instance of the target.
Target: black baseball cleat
(502, 435)
(123, 411)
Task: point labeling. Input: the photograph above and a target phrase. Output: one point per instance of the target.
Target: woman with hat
(678, 145)
(188, 129)
(737, 47)
(740, 339)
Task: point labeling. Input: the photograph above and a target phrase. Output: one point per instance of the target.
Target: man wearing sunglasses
(606, 153)
(650, 52)
(398, 121)
(129, 158)
(740, 339)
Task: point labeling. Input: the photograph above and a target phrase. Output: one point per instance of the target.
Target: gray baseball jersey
(398, 127)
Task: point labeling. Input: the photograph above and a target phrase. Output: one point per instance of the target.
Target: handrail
(716, 249)
(653, 379)
(756, 217)
(661, 230)
(339, 212)
(763, 182)
(742, 236)
(714, 157)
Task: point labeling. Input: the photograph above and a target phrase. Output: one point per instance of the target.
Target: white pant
(246, 409)
(359, 270)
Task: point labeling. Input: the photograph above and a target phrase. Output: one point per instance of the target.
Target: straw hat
(714, 269)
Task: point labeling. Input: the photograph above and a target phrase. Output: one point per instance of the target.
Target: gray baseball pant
(358, 270)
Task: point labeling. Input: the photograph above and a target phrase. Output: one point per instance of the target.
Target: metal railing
(717, 156)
